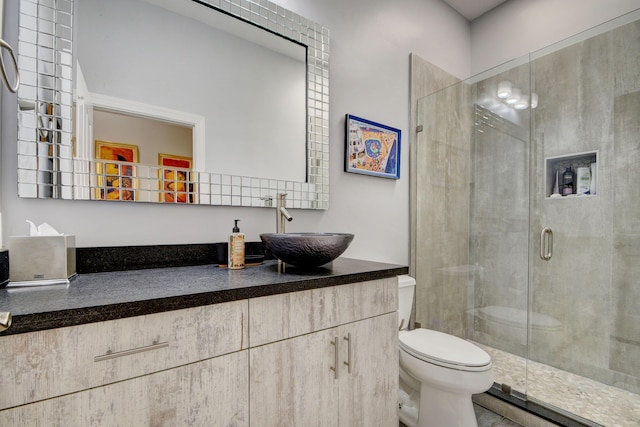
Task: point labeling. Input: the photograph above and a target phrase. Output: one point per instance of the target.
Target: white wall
(166, 68)
(150, 136)
(519, 27)
(370, 45)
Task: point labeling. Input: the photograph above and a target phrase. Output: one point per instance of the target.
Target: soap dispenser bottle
(236, 248)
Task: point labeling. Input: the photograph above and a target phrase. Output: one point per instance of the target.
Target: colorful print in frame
(175, 179)
(116, 180)
(372, 148)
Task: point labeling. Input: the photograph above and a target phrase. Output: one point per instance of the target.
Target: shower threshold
(577, 401)
(539, 409)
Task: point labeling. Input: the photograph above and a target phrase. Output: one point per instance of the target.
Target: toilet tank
(406, 289)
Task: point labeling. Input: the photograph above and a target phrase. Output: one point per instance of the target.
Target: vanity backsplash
(122, 258)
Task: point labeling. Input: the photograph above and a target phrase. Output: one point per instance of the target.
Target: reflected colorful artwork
(116, 179)
(175, 179)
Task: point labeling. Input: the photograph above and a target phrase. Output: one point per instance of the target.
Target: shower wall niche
(583, 169)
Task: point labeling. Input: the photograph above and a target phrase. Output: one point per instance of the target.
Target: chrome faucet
(282, 213)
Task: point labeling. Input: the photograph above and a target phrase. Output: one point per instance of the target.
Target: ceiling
(471, 9)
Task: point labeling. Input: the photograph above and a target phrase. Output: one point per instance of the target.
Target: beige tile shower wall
(426, 79)
(625, 315)
(440, 194)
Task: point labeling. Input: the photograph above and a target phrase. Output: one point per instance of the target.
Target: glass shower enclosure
(528, 222)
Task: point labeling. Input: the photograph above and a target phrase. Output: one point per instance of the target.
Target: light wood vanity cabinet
(268, 361)
(137, 368)
(325, 357)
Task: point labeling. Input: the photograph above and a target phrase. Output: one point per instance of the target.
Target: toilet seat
(444, 350)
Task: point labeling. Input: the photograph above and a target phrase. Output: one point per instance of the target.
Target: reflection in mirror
(173, 68)
(157, 142)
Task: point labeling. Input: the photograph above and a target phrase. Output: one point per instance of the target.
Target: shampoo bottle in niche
(568, 182)
(584, 180)
(236, 248)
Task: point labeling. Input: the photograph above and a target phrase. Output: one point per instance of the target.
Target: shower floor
(603, 404)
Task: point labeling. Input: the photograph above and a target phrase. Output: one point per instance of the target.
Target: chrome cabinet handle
(3, 71)
(336, 358)
(115, 354)
(348, 361)
(5, 320)
(546, 244)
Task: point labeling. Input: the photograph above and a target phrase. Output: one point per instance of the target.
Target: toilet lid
(444, 350)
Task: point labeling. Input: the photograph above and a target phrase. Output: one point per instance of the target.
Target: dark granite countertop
(112, 295)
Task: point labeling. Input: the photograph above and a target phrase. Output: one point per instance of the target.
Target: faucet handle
(282, 199)
(268, 200)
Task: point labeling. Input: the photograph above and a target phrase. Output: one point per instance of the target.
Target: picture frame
(372, 148)
(176, 185)
(116, 180)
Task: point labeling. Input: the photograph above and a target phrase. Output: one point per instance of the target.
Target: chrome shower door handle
(3, 71)
(546, 244)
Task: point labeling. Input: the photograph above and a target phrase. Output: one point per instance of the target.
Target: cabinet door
(369, 394)
(292, 384)
(208, 393)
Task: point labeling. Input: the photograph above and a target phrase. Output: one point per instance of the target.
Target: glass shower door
(584, 317)
(499, 223)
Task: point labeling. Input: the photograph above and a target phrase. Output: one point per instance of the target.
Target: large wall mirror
(212, 102)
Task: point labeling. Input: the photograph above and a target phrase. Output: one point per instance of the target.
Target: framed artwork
(372, 148)
(116, 180)
(175, 179)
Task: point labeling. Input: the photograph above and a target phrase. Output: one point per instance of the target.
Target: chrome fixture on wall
(5, 316)
(13, 88)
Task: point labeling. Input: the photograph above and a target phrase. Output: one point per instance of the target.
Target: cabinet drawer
(278, 317)
(45, 364)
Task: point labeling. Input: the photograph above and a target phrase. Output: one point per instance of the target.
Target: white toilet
(438, 372)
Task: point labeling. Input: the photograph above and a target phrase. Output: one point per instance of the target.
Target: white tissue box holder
(42, 257)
